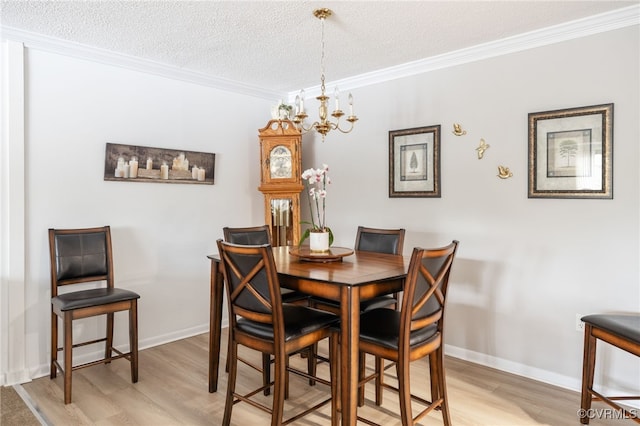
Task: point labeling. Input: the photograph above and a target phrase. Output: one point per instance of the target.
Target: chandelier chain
(324, 125)
(322, 57)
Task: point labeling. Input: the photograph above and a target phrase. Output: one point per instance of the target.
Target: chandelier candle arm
(324, 125)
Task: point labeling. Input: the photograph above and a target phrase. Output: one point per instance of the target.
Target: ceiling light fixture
(323, 125)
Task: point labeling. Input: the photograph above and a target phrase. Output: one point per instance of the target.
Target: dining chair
(414, 332)
(256, 235)
(620, 331)
(253, 235)
(260, 321)
(85, 256)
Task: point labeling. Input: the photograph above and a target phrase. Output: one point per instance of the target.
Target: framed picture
(414, 162)
(131, 163)
(570, 153)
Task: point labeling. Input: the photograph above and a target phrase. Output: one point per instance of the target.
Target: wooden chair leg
(279, 389)
(231, 381)
(334, 368)
(588, 367)
(54, 345)
(362, 371)
(68, 358)
(379, 365)
(266, 372)
(226, 364)
(108, 345)
(404, 391)
(286, 378)
(434, 379)
(266, 376)
(312, 362)
(133, 340)
(442, 386)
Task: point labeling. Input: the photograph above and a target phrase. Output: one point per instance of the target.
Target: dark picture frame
(571, 153)
(414, 162)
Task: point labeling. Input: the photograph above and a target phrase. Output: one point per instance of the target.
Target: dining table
(342, 275)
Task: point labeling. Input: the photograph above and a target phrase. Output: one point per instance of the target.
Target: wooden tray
(335, 254)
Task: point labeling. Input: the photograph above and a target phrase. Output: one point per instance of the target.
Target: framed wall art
(131, 163)
(414, 162)
(570, 153)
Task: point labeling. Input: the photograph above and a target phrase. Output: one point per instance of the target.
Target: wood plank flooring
(172, 390)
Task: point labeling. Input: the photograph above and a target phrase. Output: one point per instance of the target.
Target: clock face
(280, 162)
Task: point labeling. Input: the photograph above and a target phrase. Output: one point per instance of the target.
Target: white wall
(525, 267)
(161, 232)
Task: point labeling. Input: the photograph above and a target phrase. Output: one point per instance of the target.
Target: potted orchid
(316, 181)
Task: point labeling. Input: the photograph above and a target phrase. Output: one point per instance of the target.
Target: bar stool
(621, 331)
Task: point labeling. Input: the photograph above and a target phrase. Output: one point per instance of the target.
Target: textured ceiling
(275, 45)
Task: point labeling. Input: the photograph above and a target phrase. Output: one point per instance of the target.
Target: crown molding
(596, 24)
(584, 27)
(80, 51)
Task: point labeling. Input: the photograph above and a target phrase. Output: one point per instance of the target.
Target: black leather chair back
(426, 288)
(251, 280)
(255, 235)
(380, 240)
(80, 255)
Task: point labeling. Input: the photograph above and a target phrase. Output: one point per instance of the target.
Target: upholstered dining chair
(260, 321)
(82, 256)
(252, 235)
(414, 332)
(620, 331)
(256, 235)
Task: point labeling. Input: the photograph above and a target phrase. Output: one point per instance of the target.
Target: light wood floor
(172, 390)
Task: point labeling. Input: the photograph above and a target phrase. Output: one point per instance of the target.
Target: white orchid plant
(316, 181)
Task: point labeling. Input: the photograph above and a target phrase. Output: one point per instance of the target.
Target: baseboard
(533, 373)
(43, 370)
(15, 377)
(173, 336)
(486, 360)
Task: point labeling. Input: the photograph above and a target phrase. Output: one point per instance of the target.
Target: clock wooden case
(281, 181)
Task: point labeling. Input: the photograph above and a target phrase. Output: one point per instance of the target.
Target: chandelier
(324, 124)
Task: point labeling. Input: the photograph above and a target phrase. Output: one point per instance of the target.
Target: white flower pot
(319, 241)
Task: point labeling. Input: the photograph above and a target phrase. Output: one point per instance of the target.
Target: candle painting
(162, 165)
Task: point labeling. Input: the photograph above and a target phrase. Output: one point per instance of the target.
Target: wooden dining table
(347, 279)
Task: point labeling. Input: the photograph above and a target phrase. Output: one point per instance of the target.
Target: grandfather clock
(281, 181)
